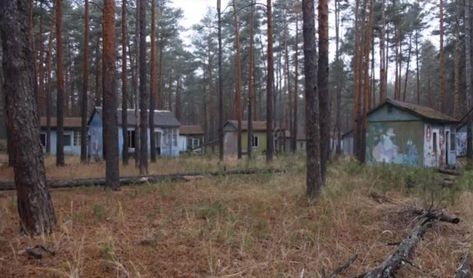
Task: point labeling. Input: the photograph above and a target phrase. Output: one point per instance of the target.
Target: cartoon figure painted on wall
(386, 150)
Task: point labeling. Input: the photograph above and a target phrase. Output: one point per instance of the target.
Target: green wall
(261, 141)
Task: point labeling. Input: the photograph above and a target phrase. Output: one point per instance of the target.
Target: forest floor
(249, 225)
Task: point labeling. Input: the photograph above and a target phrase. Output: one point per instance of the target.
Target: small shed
(347, 143)
(409, 134)
(230, 140)
(191, 138)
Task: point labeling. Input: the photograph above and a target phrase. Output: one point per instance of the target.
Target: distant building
(409, 134)
(72, 127)
(258, 142)
(166, 130)
(191, 138)
(347, 143)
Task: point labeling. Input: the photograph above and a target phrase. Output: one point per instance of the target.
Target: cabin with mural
(408, 134)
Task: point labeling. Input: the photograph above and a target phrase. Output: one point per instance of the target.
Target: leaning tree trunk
(144, 96)
(34, 202)
(314, 175)
(85, 85)
(110, 125)
(60, 87)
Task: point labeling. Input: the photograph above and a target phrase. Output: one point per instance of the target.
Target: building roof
(191, 130)
(71, 122)
(162, 118)
(418, 110)
(257, 125)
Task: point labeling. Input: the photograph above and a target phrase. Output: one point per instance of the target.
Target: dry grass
(95, 169)
(256, 226)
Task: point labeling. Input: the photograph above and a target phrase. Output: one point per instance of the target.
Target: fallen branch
(343, 268)
(464, 270)
(136, 180)
(448, 172)
(403, 253)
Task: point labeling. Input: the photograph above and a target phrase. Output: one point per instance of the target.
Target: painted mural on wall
(395, 142)
(461, 143)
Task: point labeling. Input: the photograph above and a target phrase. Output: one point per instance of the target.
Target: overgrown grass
(250, 225)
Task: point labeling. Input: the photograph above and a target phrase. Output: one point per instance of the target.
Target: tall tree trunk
(469, 85)
(339, 69)
(144, 96)
(136, 86)
(442, 99)
(98, 75)
(178, 110)
(33, 200)
(251, 83)
(125, 154)
(49, 89)
(382, 53)
(152, 104)
(417, 68)
(457, 108)
(322, 80)
(220, 83)
(409, 50)
(110, 125)
(314, 175)
(85, 86)
(60, 87)
(238, 78)
(269, 86)
(295, 123)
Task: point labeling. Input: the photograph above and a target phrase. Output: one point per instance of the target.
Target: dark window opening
(42, 138)
(131, 139)
(434, 139)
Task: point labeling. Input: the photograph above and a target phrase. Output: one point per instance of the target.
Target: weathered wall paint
(387, 114)
(399, 142)
(440, 153)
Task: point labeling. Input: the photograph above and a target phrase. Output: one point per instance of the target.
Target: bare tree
(322, 81)
(238, 77)
(468, 81)
(220, 83)
(33, 200)
(153, 69)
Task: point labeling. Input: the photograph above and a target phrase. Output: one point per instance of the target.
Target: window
(434, 139)
(174, 137)
(254, 141)
(195, 143)
(76, 138)
(67, 139)
(42, 138)
(452, 141)
(131, 138)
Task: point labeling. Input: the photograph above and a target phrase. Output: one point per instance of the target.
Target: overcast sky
(194, 10)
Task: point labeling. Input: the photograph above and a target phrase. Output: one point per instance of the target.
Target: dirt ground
(252, 226)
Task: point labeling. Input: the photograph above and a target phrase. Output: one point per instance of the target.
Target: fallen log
(448, 172)
(137, 180)
(343, 267)
(403, 254)
(464, 270)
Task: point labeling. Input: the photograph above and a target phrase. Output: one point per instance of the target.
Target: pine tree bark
(382, 54)
(220, 83)
(338, 115)
(269, 85)
(85, 86)
(295, 123)
(251, 83)
(322, 80)
(238, 78)
(152, 103)
(110, 125)
(417, 68)
(49, 89)
(124, 75)
(60, 87)
(33, 200)
(136, 85)
(314, 175)
(469, 85)
(144, 96)
(442, 99)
